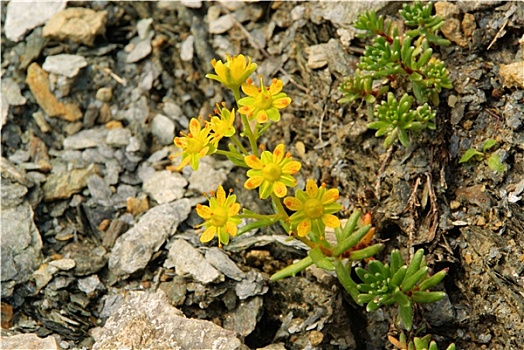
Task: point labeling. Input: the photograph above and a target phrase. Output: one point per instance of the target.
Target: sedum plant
(405, 61)
(493, 161)
(398, 284)
(424, 343)
(306, 214)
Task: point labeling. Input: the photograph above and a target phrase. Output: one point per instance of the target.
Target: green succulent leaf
(406, 316)
(488, 144)
(395, 261)
(365, 253)
(398, 277)
(345, 279)
(410, 282)
(321, 260)
(414, 265)
(470, 153)
(427, 297)
(495, 164)
(433, 280)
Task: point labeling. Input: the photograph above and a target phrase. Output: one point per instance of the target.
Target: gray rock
(134, 145)
(147, 320)
(118, 137)
(141, 50)
(133, 250)
(221, 24)
(24, 16)
(187, 260)
(253, 284)
(224, 264)
(164, 129)
(12, 194)
(11, 92)
(44, 275)
(99, 190)
(123, 192)
(142, 27)
(21, 245)
(64, 64)
(63, 264)
(86, 138)
(112, 172)
(165, 186)
(29, 341)
(245, 317)
(208, 176)
(193, 4)
(89, 284)
(187, 49)
(64, 184)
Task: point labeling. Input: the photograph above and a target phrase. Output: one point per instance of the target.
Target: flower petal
(194, 126)
(304, 227)
(273, 114)
(280, 189)
(292, 167)
(231, 228)
(249, 89)
(233, 209)
(293, 203)
(253, 182)
(203, 211)
(276, 86)
(282, 102)
(262, 117)
(311, 189)
(253, 162)
(331, 221)
(288, 180)
(221, 195)
(208, 234)
(330, 196)
(278, 153)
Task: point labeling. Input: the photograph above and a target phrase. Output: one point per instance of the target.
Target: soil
(467, 217)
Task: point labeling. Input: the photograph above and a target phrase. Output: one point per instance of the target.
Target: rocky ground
(99, 248)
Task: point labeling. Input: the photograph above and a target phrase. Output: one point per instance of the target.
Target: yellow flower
(234, 72)
(272, 172)
(195, 145)
(263, 103)
(222, 125)
(314, 208)
(220, 217)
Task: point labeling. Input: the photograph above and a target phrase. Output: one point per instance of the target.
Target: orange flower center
(313, 208)
(272, 171)
(219, 217)
(263, 100)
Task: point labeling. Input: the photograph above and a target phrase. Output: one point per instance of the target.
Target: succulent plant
(399, 284)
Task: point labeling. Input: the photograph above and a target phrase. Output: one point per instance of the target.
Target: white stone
(64, 64)
(22, 16)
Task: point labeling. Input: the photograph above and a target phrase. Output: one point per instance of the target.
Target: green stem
(229, 154)
(236, 93)
(249, 133)
(237, 143)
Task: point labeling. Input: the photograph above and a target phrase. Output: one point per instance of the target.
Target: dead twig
(381, 170)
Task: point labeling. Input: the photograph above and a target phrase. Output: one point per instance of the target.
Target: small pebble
(104, 94)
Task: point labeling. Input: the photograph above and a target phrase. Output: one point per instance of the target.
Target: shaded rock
(99, 190)
(118, 137)
(24, 16)
(164, 129)
(253, 284)
(29, 341)
(88, 260)
(224, 264)
(77, 24)
(63, 64)
(12, 194)
(187, 49)
(147, 320)
(21, 246)
(165, 186)
(186, 259)
(133, 250)
(89, 284)
(140, 50)
(38, 82)
(221, 24)
(44, 275)
(64, 185)
(87, 139)
(11, 91)
(244, 318)
(209, 175)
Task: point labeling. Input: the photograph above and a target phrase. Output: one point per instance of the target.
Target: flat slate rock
(148, 321)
